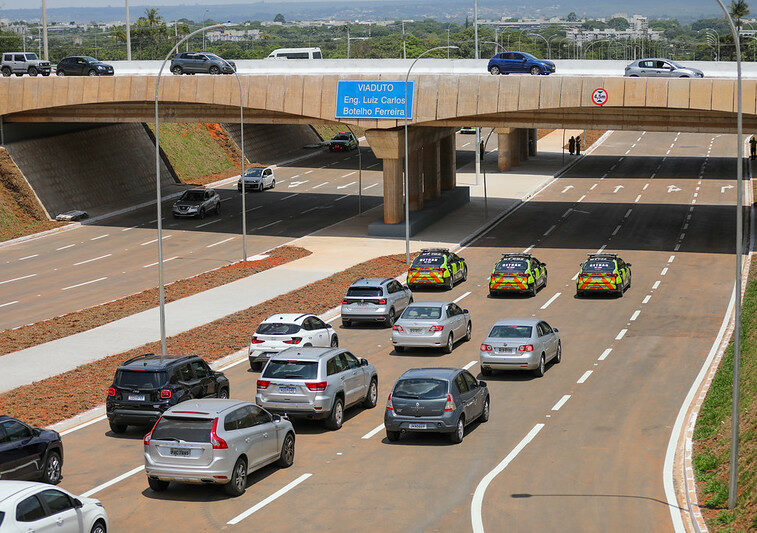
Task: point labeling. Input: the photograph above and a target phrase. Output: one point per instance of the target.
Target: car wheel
(214, 70)
(544, 283)
(256, 366)
(558, 355)
(371, 399)
(99, 527)
(238, 483)
(456, 437)
(45, 73)
(336, 418)
(92, 72)
(399, 349)
(493, 293)
(465, 273)
(202, 213)
(539, 371)
(117, 428)
(286, 459)
(468, 335)
(156, 484)
(494, 70)
(223, 394)
(389, 322)
(486, 371)
(273, 183)
(33, 71)
(449, 284)
(392, 436)
(485, 411)
(450, 344)
(218, 208)
(60, 73)
(533, 289)
(346, 323)
(6, 72)
(535, 71)
(177, 70)
(53, 466)
(334, 341)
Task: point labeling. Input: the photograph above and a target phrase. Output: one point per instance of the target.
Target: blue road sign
(374, 99)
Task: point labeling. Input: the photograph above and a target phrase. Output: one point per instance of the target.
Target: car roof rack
(516, 254)
(145, 357)
(439, 250)
(603, 255)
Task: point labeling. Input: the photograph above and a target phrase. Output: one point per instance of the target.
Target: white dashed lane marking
(605, 354)
(586, 375)
(561, 402)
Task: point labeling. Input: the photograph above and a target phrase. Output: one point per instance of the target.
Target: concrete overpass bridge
(514, 105)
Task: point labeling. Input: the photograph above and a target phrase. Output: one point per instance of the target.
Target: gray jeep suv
(20, 63)
(317, 383)
(375, 300)
(201, 63)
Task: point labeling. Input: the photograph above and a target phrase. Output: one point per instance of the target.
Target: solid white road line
(466, 367)
(550, 300)
(561, 402)
(461, 297)
(17, 279)
(268, 500)
(164, 260)
(82, 426)
(320, 185)
(585, 376)
(635, 315)
(219, 242)
(29, 257)
(64, 247)
(214, 221)
(113, 481)
(346, 185)
(372, 432)
(93, 259)
(604, 354)
(85, 283)
(478, 496)
(9, 303)
(646, 298)
(269, 225)
(621, 334)
(155, 240)
(101, 236)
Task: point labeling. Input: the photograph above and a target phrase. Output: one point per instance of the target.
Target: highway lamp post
(549, 49)
(549, 42)
(497, 46)
(203, 31)
(478, 130)
(359, 173)
(734, 466)
(407, 164)
(159, 195)
(128, 33)
(44, 30)
(404, 50)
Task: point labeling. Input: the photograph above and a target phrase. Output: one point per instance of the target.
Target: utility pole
(447, 43)
(128, 33)
(348, 41)
(404, 50)
(44, 29)
(478, 130)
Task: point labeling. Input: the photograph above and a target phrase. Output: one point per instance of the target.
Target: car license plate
(181, 452)
(415, 330)
(417, 426)
(287, 390)
(505, 350)
(597, 279)
(137, 397)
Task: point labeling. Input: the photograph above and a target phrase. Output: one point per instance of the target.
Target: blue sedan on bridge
(519, 62)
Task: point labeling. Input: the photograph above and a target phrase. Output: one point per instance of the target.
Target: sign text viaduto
(374, 99)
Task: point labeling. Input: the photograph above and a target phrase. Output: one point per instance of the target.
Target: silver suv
(375, 300)
(317, 383)
(660, 68)
(20, 63)
(215, 441)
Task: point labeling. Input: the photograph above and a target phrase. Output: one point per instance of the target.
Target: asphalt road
(583, 446)
(102, 261)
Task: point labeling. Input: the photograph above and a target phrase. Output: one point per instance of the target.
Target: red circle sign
(599, 96)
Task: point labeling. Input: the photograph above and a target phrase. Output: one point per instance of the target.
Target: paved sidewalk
(335, 248)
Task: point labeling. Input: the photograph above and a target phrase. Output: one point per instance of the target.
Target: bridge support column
(415, 180)
(448, 162)
(393, 191)
(523, 143)
(509, 148)
(431, 174)
(532, 136)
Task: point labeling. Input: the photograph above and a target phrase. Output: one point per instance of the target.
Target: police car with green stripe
(517, 272)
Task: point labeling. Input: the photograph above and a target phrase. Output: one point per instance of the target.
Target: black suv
(144, 387)
(31, 453)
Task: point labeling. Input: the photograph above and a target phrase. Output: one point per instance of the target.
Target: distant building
(232, 35)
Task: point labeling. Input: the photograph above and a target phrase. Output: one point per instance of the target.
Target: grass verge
(712, 434)
(12, 340)
(60, 397)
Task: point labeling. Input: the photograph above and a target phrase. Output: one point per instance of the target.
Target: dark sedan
(343, 142)
(519, 63)
(29, 453)
(83, 66)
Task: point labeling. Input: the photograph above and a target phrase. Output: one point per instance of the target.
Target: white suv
(20, 63)
(289, 330)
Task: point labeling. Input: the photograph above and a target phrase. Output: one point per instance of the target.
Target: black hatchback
(29, 453)
(83, 66)
(145, 386)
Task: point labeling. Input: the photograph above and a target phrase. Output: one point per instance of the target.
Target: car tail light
(165, 394)
(526, 348)
(255, 340)
(450, 405)
(381, 301)
(293, 340)
(147, 438)
(435, 328)
(345, 301)
(316, 386)
(397, 327)
(111, 391)
(389, 406)
(486, 348)
(217, 442)
(263, 383)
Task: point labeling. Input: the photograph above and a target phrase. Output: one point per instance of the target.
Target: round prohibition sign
(599, 96)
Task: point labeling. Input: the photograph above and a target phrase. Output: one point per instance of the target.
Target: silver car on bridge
(520, 344)
(660, 68)
(214, 441)
(431, 325)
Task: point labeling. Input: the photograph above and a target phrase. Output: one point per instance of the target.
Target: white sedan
(29, 506)
(288, 330)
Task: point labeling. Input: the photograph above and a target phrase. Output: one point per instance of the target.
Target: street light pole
(478, 130)
(359, 173)
(203, 31)
(407, 164)
(128, 33)
(404, 50)
(44, 30)
(159, 196)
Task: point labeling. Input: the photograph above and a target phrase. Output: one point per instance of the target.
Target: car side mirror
(482, 383)
(466, 311)
(364, 362)
(78, 504)
(628, 264)
(556, 330)
(276, 418)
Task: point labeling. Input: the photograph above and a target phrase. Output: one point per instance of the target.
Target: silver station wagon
(431, 325)
(520, 344)
(375, 300)
(213, 441)
(317, 383)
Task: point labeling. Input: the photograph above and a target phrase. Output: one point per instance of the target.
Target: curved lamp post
(161, 284)
(594, 42)
(549, 49)
(407, 165)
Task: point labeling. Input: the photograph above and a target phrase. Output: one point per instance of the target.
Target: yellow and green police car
(517, 273)
(436, 267)
(603, 273)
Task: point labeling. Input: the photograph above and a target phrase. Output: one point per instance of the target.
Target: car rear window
(511, 265)
(140, 379)
(422, 313)
(193, 196)
(180, 428)
(287, 369)
(342, 137)
(599, 266)
(428, 260)
(511, 332)
(277, 328)
(364, 291)
(420, 389)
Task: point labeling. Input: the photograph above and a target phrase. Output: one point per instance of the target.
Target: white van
(296, 53)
